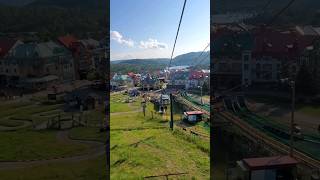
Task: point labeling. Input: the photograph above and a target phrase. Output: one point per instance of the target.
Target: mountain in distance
(142, 61)
(192, 58)
(16, 2)
(187, 59)
(224, 6)
(82, 4)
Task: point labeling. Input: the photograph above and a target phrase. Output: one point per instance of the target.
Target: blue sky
(147, 28)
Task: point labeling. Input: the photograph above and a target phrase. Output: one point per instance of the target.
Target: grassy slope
(139, 153)
(88, 134)
(27, 144)
(85, 170)
(24, 145)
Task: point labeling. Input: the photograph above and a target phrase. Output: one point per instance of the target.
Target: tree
(305, 82)
(205, 87)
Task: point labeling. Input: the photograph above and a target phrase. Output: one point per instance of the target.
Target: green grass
(310, 110)
(135, 120)
(26, 145)
(94, 116)
(88, 134)
(159, 152)
(83, 170)
(10, 123)
(5, 107)
(30, 112)
(29, 145)
(139, 153)
(118, 105)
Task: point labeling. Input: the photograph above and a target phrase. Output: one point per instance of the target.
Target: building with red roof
(259, 56)
(193, 116)
(68, 41)
(6, 45)
(267, 168)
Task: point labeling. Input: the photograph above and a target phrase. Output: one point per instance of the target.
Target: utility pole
(293, 88)
(171, 112)
(201, 96)
(144, 109)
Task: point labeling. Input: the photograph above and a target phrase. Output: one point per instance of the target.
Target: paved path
(97, 149)
(127, 112)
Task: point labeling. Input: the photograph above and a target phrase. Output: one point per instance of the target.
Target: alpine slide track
(234, 111)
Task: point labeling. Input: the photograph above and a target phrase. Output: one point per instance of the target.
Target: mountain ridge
(183, 59)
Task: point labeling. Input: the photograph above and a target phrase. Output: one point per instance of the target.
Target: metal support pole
(144, 109)
(292, 83)
(171, 112)
(201, 95)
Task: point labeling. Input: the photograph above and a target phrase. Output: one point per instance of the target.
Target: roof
(164, 97)
(196, 75)
(231, 43)
(90, 43)
(67, 40)
(119, 77)
(131, 74)
(42, 50)
(181, 75)
(308, 30)
(262, 42)
(5, 45)
(269, 162)
(148, 80)
(281, 44)
(229, 18)
(193, 113)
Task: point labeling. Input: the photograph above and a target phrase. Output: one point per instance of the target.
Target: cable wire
(175, 41)
(200, 54)
(281, 11)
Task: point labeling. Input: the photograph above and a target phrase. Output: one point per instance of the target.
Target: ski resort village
(159, 124)
(52, 111)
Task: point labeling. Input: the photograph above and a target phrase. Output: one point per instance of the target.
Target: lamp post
(293, 88)
(201, 86)
(292, 84)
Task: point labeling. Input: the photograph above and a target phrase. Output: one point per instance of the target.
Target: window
(258, 67)
(267, 67)
(246, 57)
(258, 75)
(246, 67)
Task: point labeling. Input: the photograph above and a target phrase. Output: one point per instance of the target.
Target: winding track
(97, 149)
(255, 134)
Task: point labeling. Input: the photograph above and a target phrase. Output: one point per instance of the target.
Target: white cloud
(116, 36)
(152, 44)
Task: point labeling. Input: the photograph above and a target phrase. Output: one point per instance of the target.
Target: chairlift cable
(175, 41)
